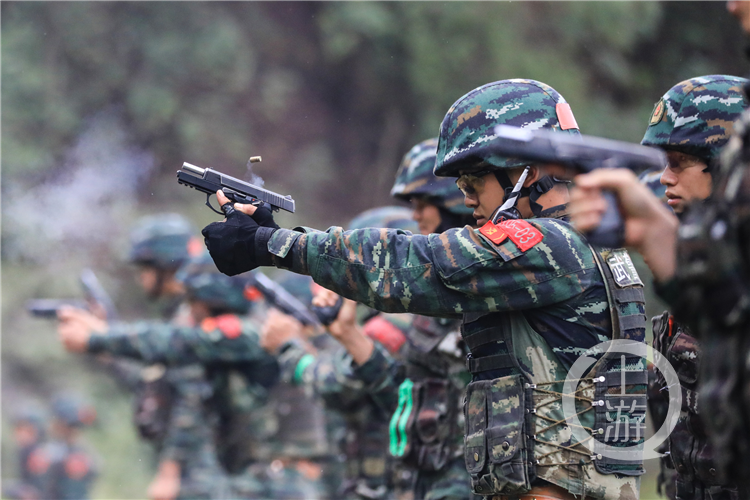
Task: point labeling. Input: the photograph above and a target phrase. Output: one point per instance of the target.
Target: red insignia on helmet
(76, 466)
(252, 294)
(38, 462)
(493, 233)
(520, 232)
(230, 325)
(658, 113)
(565, 116)
(385, 332)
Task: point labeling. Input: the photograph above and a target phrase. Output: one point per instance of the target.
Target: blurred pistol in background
(580, 154)
(278, 297)
(209, 181)
(97, 300)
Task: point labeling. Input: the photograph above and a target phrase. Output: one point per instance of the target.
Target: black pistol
(209, 181)
(277, 296)
(47, 308)
(581, 154)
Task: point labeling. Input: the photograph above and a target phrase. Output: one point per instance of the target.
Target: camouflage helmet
(33, 415)
(73, 411)
(161, 241)
(392, 217)
(696, 116)
(204, 283)
(469, 124)
(415, 177)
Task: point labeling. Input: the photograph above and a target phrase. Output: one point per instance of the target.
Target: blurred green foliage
(331, 94)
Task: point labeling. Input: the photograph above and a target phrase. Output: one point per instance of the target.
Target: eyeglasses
(471, 184)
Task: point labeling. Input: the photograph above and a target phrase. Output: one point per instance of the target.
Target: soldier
(691, 122)
(436, 203)
(369, 471)
(701, 272)
(63, 468)
(533, 294)
(29, 434)
(426, 407)
(168, 407)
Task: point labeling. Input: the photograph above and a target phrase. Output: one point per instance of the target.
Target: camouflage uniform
(694, 117)
(534, 297)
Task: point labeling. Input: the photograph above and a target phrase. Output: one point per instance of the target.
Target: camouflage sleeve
(329, 375)
(188, 433)
(154, 342)
(381, 375)
(457, 271)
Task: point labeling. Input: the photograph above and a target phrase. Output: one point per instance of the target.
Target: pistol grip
(327, 315)
(611, 231)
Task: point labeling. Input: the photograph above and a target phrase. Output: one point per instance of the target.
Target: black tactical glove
(239, 244)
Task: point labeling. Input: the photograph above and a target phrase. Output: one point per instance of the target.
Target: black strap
(481, 338)
(486, 363)
(624, 295)
(632, 321)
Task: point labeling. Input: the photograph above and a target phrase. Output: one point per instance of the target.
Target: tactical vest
(423, 427)
(516, 430)
(690, 451)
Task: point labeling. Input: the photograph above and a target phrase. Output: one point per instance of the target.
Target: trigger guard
(208, 204)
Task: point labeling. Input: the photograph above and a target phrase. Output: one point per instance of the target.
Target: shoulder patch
(520, 232)
(76, 466)
(623, 270)
(658, 113)
(38, 462)
(493, 233)
(230, 325)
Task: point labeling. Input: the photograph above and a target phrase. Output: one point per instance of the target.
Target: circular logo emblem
(646, 450)
(658, 113)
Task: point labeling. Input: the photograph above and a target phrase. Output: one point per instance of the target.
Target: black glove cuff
(262, 256)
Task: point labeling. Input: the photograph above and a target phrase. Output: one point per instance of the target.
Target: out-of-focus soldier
(369, 471)
(63, 468)
(29, 433)
(168, 402)
(691, 122)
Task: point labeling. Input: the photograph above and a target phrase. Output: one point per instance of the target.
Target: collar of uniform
(556, 212)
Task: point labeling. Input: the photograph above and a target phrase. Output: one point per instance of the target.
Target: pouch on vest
(421, 426)
(496, 450)
(153, 403)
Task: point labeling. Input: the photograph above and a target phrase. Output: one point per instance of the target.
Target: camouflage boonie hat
(161, 241)
(415, 177)
(696, 116)
(203, 282)
(469, 124)
(391, 217)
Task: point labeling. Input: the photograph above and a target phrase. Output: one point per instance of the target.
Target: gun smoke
(84, 211)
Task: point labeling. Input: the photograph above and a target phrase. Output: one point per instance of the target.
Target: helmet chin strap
(534, 192)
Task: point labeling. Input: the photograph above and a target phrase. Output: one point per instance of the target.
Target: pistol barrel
(192, 168)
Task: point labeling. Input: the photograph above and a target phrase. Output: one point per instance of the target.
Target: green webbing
(302, 364)
(397, 426)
